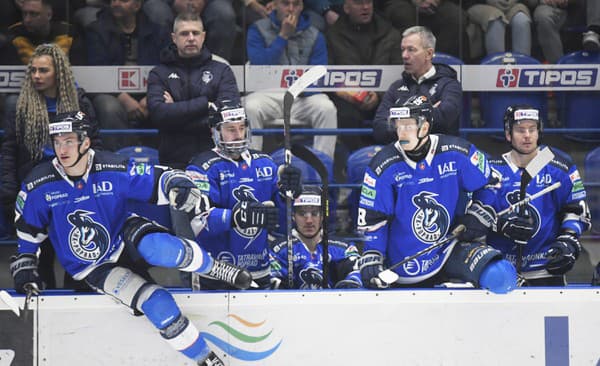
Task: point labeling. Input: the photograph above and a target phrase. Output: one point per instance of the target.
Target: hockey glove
(184, 195)
(24, 271)
(371, 264)
(516, 227)
(478, 220)
(351, 281)
(289, 179)
(563, 253)
(311, 277)
(247, 214)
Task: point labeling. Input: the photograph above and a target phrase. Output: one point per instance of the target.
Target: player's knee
(137, 227)
(128, 287)
(161, 249)
(160, 308)
(499, 276)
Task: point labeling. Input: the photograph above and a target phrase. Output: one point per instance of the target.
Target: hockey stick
(309, 77)
(526, 200)
(10, 301)
(309, 157)
(543, 157)
(389, 276)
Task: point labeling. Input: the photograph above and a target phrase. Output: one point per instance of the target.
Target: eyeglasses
(304, 212)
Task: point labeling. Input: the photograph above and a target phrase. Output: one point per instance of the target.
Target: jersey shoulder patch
(338, 243)
(448, 143)
(40, 175)
(109, 161)
(561, 160)
(206, 159)
(384, 159)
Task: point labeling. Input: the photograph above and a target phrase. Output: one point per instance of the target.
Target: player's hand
(370, 265)
(24, 271)
(247, 214)
(184, 195)
(563, 253)
(478, 220)
(518, 228)
(288, 26)
(352, 280)
(289, 179)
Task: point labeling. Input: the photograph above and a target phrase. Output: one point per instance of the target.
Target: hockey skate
(211, 360)
(230, 273)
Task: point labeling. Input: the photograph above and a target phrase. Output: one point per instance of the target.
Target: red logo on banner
(507, 78)
(129, 78)
(288, 77)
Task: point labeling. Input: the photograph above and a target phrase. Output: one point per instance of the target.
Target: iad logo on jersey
(431, 220)
(88, 240)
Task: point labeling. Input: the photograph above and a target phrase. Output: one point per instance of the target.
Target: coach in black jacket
(180, 89)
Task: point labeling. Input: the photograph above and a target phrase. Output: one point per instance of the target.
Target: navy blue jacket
(443, 86)
(183, 125)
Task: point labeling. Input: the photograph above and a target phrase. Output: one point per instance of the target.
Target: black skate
(230, 273)
(211, 360)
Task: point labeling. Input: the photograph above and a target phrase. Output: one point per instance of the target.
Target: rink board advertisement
(549, 327)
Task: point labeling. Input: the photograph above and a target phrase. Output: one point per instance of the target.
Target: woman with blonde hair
(48, 88)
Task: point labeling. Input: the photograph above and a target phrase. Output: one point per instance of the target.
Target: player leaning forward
(78, 200)
(410, 200)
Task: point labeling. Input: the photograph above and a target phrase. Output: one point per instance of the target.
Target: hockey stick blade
(309, 77)
(8, 300)
(389, 276)
(536, 164)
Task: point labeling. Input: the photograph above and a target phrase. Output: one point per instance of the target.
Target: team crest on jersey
(245, 193)
(430, 222)
(513, 197)
(88, 240)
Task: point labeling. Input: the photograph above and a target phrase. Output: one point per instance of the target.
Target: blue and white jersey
(342, 257)
(406, 206)
(83, 218)
(227, 182)
(545, 210)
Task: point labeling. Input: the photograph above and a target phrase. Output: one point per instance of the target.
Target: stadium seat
(310, 176)
(160, 214)
(592, 179)
(446, 59)
(357, 163)
(494, 104)
(579, 109)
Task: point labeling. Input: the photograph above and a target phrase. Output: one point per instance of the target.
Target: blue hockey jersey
(545, 210)
(226, 182)
(83, 218)
(406, 206)
(308, 264)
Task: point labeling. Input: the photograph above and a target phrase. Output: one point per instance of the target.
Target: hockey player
(409, 201)
(547, 230)
(244, 190)
(78, 200)
(308, 250)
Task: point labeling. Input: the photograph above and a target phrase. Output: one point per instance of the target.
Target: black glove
(478, 220)
(184, 195)
(516, 227)
(311, 277)
(247, 214)
(24, 271)
(563, 253)
(289, 179)
(353, 280)
(371, 264)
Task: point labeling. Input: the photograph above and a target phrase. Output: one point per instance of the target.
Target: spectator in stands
(444, 17)
(324, 13)
(123, 35)
(307, 250)
(421, 77)
(541, 238)
(287, 38)
(360, 37)
(48, 88)
(36, 28)
(550, 16)
(180, 90)
(494, 15)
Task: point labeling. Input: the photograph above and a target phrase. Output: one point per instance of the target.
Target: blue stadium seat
(592, 175)
(357, 163)
(446, 59)
(494, 104)
(160, 214)
(310, 176)
(579, 109)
